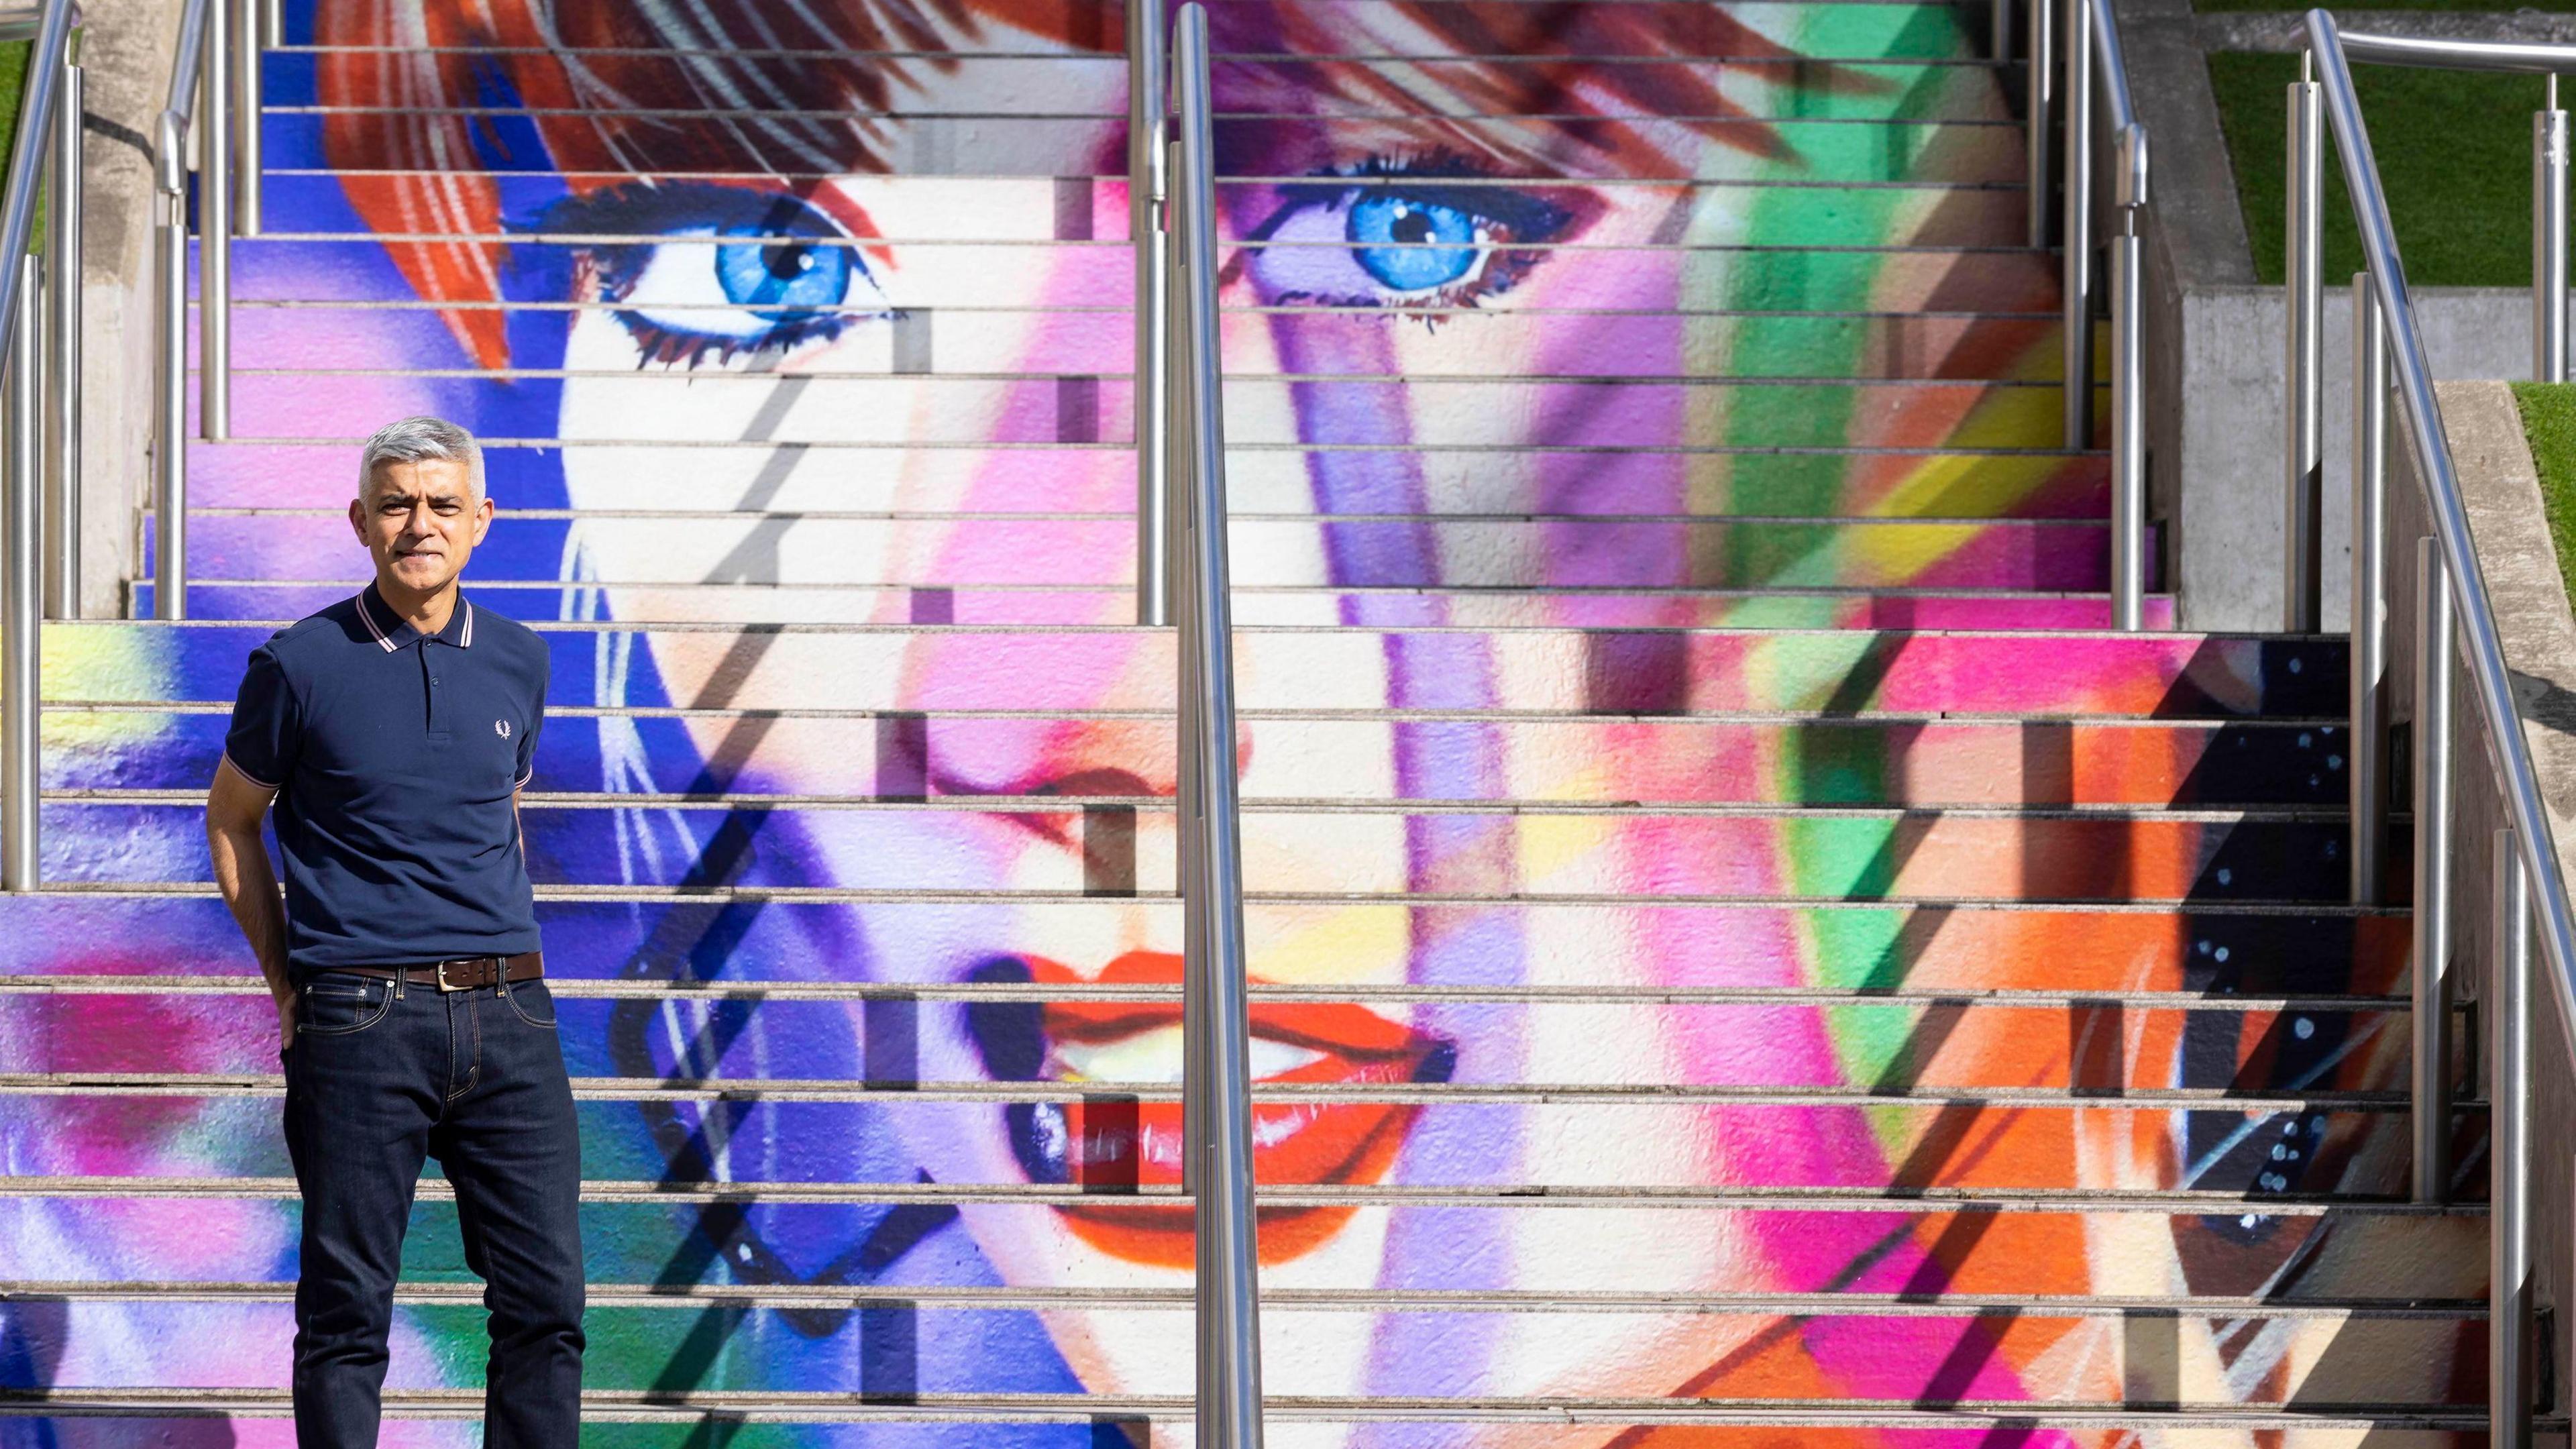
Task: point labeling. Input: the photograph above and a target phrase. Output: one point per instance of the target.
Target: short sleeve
(268, 725)
(536, 725)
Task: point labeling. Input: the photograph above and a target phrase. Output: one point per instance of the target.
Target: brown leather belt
(464, 975)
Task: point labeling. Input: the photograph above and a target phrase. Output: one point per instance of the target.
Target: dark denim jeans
(381, 1076)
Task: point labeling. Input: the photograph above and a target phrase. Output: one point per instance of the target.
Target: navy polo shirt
(395, 757)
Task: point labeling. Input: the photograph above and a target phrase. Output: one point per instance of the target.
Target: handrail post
(215, 230)
(2075, 228)
(2304, 272)
(1147, 184)
(63, 241)
(2509, 1313)
(2549, 241)
(21, 583)
(2039, 73)
(2433, 844)
(2366, 752)
(1229, 1356)
(245, 100)
(2129, 389)
(170, 389)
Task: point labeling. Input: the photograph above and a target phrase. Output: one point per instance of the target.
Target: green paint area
(2454, 151)
(2549, 421)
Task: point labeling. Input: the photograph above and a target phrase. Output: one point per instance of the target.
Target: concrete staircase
(1743, 959)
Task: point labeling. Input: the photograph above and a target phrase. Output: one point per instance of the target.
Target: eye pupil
(782, 280)
(1410, 245)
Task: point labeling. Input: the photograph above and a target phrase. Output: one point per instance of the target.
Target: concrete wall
(125, 55)
(2226, 468)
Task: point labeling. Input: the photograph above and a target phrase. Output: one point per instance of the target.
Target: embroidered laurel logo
(501, 727)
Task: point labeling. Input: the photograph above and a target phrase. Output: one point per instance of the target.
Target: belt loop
(398, 984)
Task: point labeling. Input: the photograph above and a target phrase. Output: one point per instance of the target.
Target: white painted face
(927, 377)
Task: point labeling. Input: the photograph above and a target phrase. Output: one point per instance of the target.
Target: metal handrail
(1148, 105)
(2528, 880)
(1217, 1030)
(2093, 56)
(26, 420)
(170, 258)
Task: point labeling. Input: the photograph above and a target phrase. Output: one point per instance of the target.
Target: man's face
(420, 521)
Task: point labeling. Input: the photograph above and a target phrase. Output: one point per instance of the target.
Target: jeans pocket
(338, 1004)
(532, 1003)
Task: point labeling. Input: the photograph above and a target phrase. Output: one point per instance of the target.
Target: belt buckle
(445, 985)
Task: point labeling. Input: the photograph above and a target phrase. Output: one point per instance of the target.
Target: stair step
(1007, 607)
(614, 551)
(1465, 853)
(2366, 1360)
(1816, 482)
(115, 1041)
(814, 668)
(1919, 762)
(749, 948)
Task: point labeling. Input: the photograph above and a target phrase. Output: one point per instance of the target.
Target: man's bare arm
(235, 805)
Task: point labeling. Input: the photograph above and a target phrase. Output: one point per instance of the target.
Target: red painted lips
(1112, 1143)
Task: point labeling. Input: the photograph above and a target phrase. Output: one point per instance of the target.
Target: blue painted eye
(781, 278)
(1410, 245)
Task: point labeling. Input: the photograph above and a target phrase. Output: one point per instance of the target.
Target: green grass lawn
(2454, 151)
(2549, 421)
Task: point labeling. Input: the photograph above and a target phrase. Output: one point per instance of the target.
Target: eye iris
(780, 279)
(1410, 245)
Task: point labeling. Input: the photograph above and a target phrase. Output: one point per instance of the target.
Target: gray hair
(419, 440)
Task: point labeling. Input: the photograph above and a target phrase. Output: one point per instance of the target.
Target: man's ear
(358, 517)
(483, 511)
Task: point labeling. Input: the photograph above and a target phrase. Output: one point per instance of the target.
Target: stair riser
(902, 1351)
(767, 604)
(1830, 763)
(1080, 479)
(1722, 29)
(1892, 1049)
(266, 1426)
(892, 1138)
(1119, 850)
(998, 271)
(802, 945)
(1104, 480)
(916, 144)
(1600, 553)
(2342, 1254)
(631, 406)
(935, 342)
(1036, 85)
(2168, 676)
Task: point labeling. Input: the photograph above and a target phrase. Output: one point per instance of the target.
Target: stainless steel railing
(198, 73)
(1182, 568)
(2096, 249)
(31, 409)
(2453, 613)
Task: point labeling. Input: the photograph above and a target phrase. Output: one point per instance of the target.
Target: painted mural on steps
(921, 353)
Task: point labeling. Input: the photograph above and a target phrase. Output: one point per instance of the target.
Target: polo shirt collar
(392, 631)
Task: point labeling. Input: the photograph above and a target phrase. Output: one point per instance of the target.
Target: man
(394, 731)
